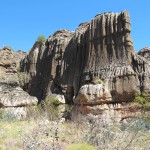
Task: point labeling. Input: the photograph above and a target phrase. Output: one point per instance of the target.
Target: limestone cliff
(100, 49)
(12, 98)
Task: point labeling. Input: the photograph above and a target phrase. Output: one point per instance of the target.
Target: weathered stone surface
(141, 66)
(7, 63)
(10, 60)
(93, 94)
(60, 98)
(19, 56)
(145, 52)
(12, 97)
(101, 48)
(108, 54)
(45, 65)
(107, 113)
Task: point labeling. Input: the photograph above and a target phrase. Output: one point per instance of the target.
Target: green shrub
(96, 80)
(143, 99)
(23, 78)
(1, 148)
(34, 112)
(1, 113)
(51, 107)
(7, 116)
(52, 100)
(80, 147)
(68, 108)
(41, 39)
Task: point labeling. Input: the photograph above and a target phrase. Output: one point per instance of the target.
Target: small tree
(41, 39)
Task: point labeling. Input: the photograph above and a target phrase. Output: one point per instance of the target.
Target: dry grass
(39, 133)
(10, 134)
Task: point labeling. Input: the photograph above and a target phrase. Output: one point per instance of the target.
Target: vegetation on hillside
(39, 131)
(43, 129)
(143, 99)
(40, 40)
(96, 80)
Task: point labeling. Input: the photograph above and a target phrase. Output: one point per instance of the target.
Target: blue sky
(21, 21)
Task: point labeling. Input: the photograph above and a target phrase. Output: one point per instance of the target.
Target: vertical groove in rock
(101, 48)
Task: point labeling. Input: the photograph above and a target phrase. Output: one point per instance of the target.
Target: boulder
(60, 98)
(93, 94)
(14, 96)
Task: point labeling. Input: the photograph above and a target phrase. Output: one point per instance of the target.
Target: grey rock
(13, 99)
(101, 48)
(12, 96)
(145, 52)
(93, 94)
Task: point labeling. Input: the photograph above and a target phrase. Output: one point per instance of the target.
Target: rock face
(45, 64)
(12, 98)
(9, 60)
(7, 63)
(19, 56)
(145, 52)
(103, 49)
(15, 97)
(94, 94)
(107, 113)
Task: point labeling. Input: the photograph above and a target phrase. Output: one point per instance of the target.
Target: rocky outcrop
(7, 63)
(13, 99)
(145, 52)
(141, 66)
(105, 51)
(10, 60)
(107, 113)
(101, 48)
(45, 64)
(18, 57)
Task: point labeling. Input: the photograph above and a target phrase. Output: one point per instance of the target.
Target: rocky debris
(101, 48)
(13, 99)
